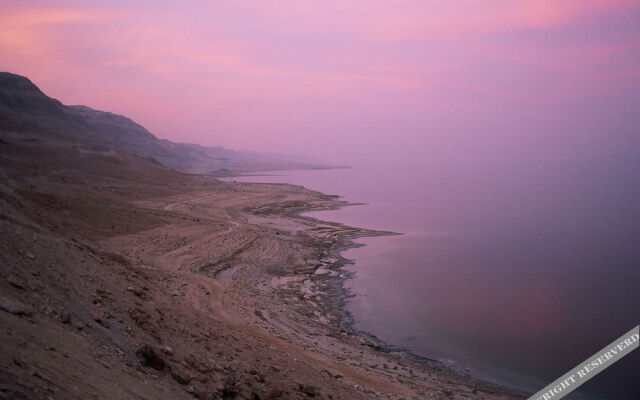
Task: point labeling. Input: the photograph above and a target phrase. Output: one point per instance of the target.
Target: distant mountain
(18, 94)
(25, 109)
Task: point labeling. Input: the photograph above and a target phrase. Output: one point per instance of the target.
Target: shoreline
(347, 319)
(267, 172)
(184, 286)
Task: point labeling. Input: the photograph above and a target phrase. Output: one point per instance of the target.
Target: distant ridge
(18, 94)
(25, 109)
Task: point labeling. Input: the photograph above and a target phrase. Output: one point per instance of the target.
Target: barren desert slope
(124, 279)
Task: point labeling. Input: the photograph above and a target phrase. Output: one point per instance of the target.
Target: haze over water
(516, 271)
(505, 253)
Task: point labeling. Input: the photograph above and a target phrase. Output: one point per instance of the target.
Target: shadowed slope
(25, 109)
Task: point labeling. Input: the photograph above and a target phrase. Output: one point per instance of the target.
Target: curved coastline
(347, 320)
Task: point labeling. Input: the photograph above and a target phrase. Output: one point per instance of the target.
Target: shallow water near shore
(516, 272)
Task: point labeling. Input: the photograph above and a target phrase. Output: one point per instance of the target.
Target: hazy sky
(347, 80)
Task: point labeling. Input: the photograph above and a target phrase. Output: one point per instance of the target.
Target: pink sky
(347, 80)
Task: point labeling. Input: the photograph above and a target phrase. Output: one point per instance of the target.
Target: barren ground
(118, 284)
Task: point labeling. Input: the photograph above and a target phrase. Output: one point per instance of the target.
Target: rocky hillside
(123, 279)
(25, 109)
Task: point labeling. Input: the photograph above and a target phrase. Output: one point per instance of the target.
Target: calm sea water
(518, 272)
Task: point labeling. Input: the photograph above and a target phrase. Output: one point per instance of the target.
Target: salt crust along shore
(205, 290)
(287, 281)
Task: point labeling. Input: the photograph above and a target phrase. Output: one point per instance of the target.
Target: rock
(200, 362)
(167, 350)
(16, 282)
(149, 358)
(309, 390)
(42, 375)
(137, 291)
(65, 318)
(139, 316)
(79, 325)
(15, 307)
(180, 374)
(100, 318)
(19, 362)
(30, 256)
